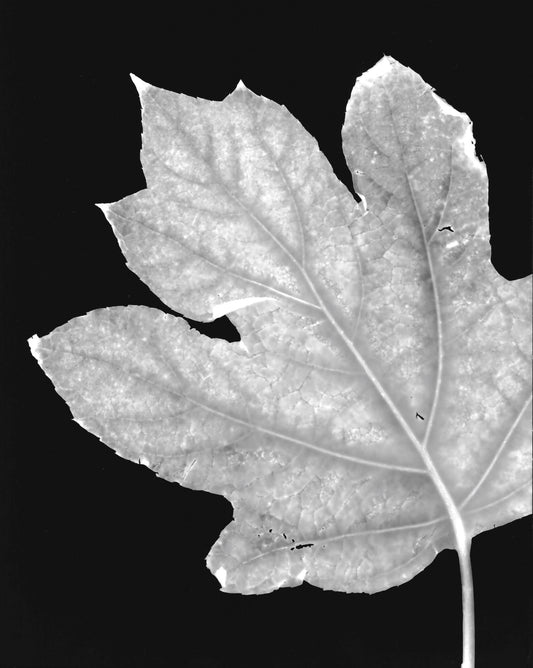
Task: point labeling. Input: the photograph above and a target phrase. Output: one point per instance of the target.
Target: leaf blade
(316, 425)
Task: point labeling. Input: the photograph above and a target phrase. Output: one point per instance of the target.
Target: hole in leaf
(221, 328)
(299, 547)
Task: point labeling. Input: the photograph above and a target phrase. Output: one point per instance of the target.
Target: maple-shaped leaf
(376, 408)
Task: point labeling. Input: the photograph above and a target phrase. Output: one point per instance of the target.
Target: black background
(102, 563)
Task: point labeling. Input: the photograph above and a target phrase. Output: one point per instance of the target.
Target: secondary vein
(497, 454)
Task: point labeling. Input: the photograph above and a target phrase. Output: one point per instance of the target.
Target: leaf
(376, 409)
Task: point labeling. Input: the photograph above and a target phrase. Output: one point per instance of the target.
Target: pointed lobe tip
(101, 205)
(139, 84)
(34, 344)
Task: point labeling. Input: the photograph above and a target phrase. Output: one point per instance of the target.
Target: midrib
(449, 503)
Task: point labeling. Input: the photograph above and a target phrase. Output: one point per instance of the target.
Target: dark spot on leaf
(419, 416)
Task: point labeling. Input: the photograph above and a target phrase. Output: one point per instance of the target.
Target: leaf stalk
(467, 588)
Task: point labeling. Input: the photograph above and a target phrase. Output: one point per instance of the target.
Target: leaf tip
(104, 208)
(34, 344)
(381, 69)
(240, 86)
(221, 575)
(392, 61)
(140, 85)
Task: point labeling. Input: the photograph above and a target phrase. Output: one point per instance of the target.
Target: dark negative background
(102, 563)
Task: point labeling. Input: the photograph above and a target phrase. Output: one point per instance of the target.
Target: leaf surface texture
(375, 337)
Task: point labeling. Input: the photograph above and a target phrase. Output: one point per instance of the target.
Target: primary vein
(429, 259)
(232, 418)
